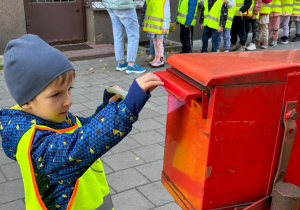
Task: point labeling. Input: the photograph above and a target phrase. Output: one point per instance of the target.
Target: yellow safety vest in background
(296, 7)
(230, 16)
(276, 6)
(287, 6)
(90, 192)
(212, 17)
(238, 6)
(154, 16)
(265, 8)
(183, 8)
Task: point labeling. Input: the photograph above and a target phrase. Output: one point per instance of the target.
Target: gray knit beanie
(30, 64)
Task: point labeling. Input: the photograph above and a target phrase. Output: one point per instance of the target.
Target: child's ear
(26, 106)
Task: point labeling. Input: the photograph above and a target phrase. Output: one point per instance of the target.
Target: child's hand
(220, 29)
(165, 31)
(116, 97)
(149, 82)
(202, 26)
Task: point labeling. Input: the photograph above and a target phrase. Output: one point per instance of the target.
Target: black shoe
(284, 40)
(296, 38)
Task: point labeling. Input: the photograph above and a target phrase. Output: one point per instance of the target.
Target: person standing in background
(124, 21)
(186, 17)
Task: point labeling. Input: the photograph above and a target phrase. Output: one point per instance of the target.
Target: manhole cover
(72, 47)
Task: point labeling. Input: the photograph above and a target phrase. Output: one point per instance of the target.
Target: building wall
(12, 16)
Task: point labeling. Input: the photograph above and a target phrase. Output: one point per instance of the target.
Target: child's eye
(55, 95)
(71, 88)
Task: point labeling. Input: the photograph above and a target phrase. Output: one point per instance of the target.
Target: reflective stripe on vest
(238, 5)
(296, 8)
(183, 9)
(230, 17)
(265, 8)
(153, 21)
(212, 17)
(276, 6)
(91, 190)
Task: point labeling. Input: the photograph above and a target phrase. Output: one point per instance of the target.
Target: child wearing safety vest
(276, 11)
(252, 20)
(296, 18)
(226, 30)
(157, 23)
(213, 19)
(263, 22)
(287, 9)
(58, 152)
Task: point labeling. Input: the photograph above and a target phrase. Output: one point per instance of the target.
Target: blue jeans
(226, 37)
(125, 20)
(207, 33)
(152, 50)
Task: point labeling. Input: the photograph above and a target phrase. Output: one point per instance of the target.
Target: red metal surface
(230, 158)
(56, 22)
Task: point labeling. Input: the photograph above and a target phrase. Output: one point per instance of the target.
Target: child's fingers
(115, 98)
(149, 82)
(116, 87)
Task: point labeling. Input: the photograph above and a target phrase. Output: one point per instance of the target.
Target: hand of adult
(149, 82)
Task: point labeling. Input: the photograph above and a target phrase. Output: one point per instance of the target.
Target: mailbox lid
(210, 69)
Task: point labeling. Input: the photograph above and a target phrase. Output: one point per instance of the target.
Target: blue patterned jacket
(103, 130)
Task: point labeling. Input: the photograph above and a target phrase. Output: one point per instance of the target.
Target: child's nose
(68, 99)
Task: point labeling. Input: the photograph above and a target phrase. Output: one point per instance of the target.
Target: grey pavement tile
(111, 190)
(122, 161)
(78, 108)
(98, 81)
(114, 79)
(107, 153)
(162, 144)
(80, 84)
(151, 170)
(169, 206)
(2, 178)
(11, 171)
(107, 169)
(97, 75)
(147, 125)
(5, 95)
(7, 103)
(96, 95)
(78, 91)
(148, 137)
(148, 113)
(93, 104)
(131, 200)
(79, 99)
(4, 159)
(126, 144)
(161, 100)
(150, 153)
(161, 119)
(156, 193)
(126, 179)
(162, 109)
(162, 131)
(134, 131)
(14, 205)
(86, 113)
(11, 191)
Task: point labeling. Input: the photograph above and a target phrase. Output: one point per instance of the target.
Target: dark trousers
(186, 38)
(238, 30)
(207, 33)
(254, 25)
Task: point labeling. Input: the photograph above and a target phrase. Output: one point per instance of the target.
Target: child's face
(54, 102)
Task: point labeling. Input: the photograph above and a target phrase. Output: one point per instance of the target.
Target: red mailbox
(226, 127)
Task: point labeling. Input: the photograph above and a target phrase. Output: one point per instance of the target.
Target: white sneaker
(218, 50)
(226, 51)
(251, 47)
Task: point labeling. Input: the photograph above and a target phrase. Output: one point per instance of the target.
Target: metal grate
(49, 1)
(98, 5)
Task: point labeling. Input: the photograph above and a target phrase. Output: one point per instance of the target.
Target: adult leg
(128, 18)
(119, 34)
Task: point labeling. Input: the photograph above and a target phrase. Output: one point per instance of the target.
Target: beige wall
(12, 16)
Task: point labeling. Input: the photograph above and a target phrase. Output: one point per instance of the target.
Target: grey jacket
(119, 4)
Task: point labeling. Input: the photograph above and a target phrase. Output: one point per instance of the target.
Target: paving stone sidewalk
(134, 166)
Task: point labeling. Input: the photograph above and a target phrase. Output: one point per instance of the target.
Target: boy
(58, 153)
(213, 19)
(186, 17)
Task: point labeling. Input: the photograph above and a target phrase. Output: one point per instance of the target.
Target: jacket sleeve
(246, 6)
(192, 5)
(167, 15)
(143, 13)
(202, 15)
(224, 14)
(66, 157)
(257, 6)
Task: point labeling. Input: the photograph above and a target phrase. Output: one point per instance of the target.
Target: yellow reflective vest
(90, 192)
(183, 8)
(230, 16)
(296, 7)
(212, 17)
(154, 16)
(265, 8)
(287, 6)
(276, 6)
(238, 6)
